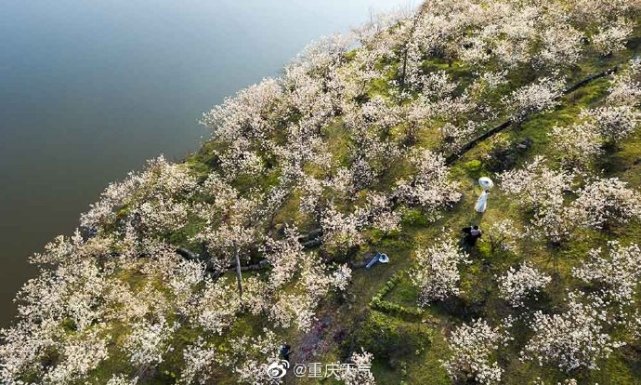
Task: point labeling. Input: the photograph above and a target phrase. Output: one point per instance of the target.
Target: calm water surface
(90, 89)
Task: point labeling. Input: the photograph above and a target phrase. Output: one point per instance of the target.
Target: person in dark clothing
(285, 350)
(472, 234)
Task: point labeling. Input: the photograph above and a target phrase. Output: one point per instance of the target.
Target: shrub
(389, 338)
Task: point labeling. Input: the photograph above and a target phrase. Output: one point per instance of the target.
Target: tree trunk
(418, 16)
(239, 274)
(404, 70)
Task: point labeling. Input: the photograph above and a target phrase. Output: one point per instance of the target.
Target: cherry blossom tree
(285, 256)
(249, 357)
(315, 281)
(341, 232)
(78, 357)
(612, 38)
(249, 114)
(626, 86)
(614, 123)
(503, 235)
(148, 343)
(199, 359)
(437, 271)
(540, 96)
(454, 137)
(239, 159)
(606, 201)
(430, 187)
(542, 190)
(577, 144)
(359, 373)
(576, 338)
(229, 230)
(217, 306)
(561, 46)
(153, 199)
(474, 347)
(516, 284)
(616, 272)
(380, 209)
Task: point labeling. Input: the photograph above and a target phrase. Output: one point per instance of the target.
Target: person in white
(481, 203)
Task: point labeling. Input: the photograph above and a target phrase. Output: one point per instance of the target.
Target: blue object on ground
(377, 258)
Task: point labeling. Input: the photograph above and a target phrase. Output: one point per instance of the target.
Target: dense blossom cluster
(617, 274)
(600, 202)
(199, 363)
(341, 231)
(574, 339)
(430, 187)
(612, 37)
(503, 235)
(606, 201)
(474, 348)
(535, 97)
(615, 120)
(360, 373)
(542, 190)
(577, 144)
(626, 86)
(517, 284)
(615, 123)
(249, 358)
(147, 342)
(437, 273)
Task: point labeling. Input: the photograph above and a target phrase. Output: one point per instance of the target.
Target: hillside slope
(197, 272)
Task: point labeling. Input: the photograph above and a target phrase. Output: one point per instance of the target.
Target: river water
(91, 89)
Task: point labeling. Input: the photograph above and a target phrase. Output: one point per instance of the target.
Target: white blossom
(561, 46)
(612, 38)
(454, 137)
(502, 235)
(542, 190)
(217, 306)
(154, 194)
(79, 356)
(286, 256)
(606, 201)
(244, 115)
(148, 342)
(249, 357)
(573, 339)
(614, 123)
(577, 144)
(626, 86)
(540, 96)
(359, 372)
(516, 284)
(199, 363)
(617, 273)
(437, 271)
(340, 231)
(120, 379)
(474, 347)
(430, 188)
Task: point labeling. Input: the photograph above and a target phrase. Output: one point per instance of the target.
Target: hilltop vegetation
(196, 272)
